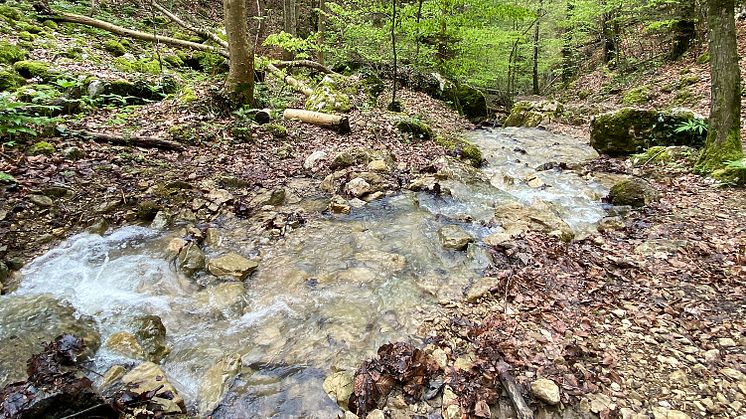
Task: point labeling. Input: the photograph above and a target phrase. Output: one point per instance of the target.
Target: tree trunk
(321, 30)
(240, 82)
(418, 17)
(684, 28)
(537, 30)
(290, 23)
(724, 135)
(608, 34)
(568, 64)
(341, 124)
(393, 106)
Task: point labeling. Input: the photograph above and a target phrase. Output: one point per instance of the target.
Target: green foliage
(9, 81)
(21, 119)
(299, 47)
(6, 178)
(693, 126)
(41, 148)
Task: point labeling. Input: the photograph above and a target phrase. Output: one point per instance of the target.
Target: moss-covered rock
(31, 69)
(10, 53)
(415, 128)
(26, 36)
(41, 148)
(638, 96)
(632, 130)
(635, 192)
(50, 24)
(532, 114)
(10, 14)
(129, 64)
(467, 100)
(328, 97)
(29, 27)
(734, 174)
(9, 81)
(115, 48)
(462, 149)
(277, 130)
(174, 61)
(671, 155)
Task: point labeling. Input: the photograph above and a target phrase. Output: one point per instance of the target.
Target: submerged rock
(454, 237)
(148, 377)
(339, 387)
(631, 130)
(125, 344)
(191, 258)
(517, 218)
(231, 265)
(216, 382)
(151, 334)
(28, 322)
(635, 192)
(227, 297)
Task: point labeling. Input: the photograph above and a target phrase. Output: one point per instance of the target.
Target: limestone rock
(498, 239)
(546, 390)
(111, 376)
(532, 114)
(41, 201)
(516, 218)
(379, 166)
(148, 377)
(231, 265)
(275, 198)
(125, 344)
(191, 258)
(480, 288)
(339, 387)
(358, 187)
(227, 297)
(635, 192)
(161, 221)
(28, 322)
(663, 413)
(313, 160)
(151, 333)
(339, 205)
(454, 237)
(631, 130)
(216, 382)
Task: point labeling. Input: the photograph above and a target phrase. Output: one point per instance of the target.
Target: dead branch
(294, 83)
(508, 382)
(304, 63)
(89, 21)
(341, 124)
(145, 142)
(199, 31)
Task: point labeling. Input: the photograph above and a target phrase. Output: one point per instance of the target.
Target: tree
(290, 22)
(684, 28)
(240, 81)
(537, 30)
(724, 135)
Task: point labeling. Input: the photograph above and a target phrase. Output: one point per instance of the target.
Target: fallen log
(304, 63)
(294, 83)
(508, 382)
(341, 124)
(145, 142)
(89, 21)
(199, 31)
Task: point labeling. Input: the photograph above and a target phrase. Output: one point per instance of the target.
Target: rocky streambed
(248, 317)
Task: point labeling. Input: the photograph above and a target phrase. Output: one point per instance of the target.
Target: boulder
(125, 344)
(148, 377)
(546, 391)
(517, 218)
(313, 160)
(454, 237)
(632, 130)
(151, 334)
(231, 265)
(41, 201)
(339, 387)
(216, 382)
(635, 192)
(531, 114)
(467, 100)
(28, 322)
(358, 187)
(191, 258)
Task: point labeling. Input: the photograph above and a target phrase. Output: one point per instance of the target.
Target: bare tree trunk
(290, 23)
(724, 135)
(684, 28)
(321, 30)
(567, 49)
(418, 17)
(608, 34)
(537, 30)
(393, 105)
(240, 81)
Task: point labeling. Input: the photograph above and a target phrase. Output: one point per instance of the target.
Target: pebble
(546, 390)
(726, 342)
(41, 200)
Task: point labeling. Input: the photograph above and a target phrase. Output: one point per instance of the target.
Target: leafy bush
(20, 119)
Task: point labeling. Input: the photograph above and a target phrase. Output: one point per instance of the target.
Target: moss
(714, 156)
(416, 128)
(242, 133)
(633, 192)
(115, 48)
(50, 24)
(703, 59)
(9, 81)
(688, 80)
(42, 147)
(147, 210)
(10, 53)
(473, 154)
(277, 130)
(173, 61)
(206, 61)
(638, 96)
(733, 175)
(30, 28)
(131, 65)
(185, 134)
(683, 97)
(328, 96)
(74, 53)
(462, 149)
(10, 14)
(30, 69)
(187, 95)
(26, 36)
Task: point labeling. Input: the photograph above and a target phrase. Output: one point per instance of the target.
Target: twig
(84, 411)
(652, 158)
(508, 382)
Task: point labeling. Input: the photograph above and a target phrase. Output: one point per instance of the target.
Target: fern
(694, 126)
(19, 119)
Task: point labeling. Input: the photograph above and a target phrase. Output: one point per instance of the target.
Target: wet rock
(481, 287)
(151, 334)
(216, 382)
(148, 377)
(357, 203)
(212, 237)
(339, 205)
(546, 391)
(357, 275)
(175, 245)
(274, 198)
(349, 158)
(4, 273)
(630, 130)
(28, 322)
(313, 160)
(191, 258)
(422, 183)
(373, 196)
(390, 262)
(358, 187)
(125, 344)
(498, 239)
(532, 114)
(231, 265)
(219, 196)
(41, 201)
(227, 297)
(339, 387)
(454, 237)
(161, 220)
(663, 413)
(611, 224)
(635, 192)
(516, 219)
(111, 376)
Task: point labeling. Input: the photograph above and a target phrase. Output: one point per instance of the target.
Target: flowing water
(326, 295)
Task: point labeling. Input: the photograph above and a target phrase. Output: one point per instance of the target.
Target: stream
(326, 295)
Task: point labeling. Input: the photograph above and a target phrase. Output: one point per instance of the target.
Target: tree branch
(145, 142)
(199, 31)
(304, 63)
